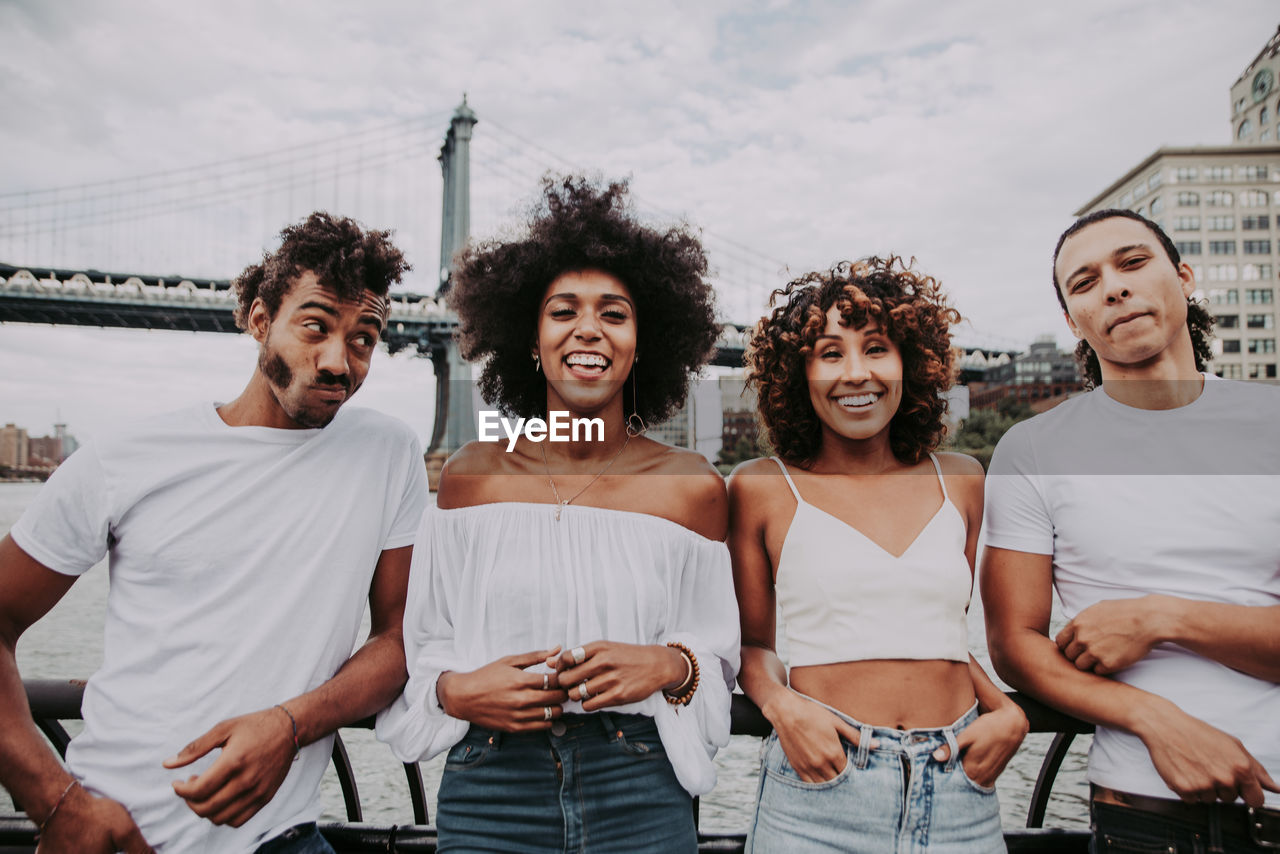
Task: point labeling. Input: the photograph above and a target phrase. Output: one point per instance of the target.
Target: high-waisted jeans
(895, 799)
(603, 785)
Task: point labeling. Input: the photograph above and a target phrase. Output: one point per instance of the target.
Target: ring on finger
(579, 654)
(546, 713)
(583, 693)
(546, 681)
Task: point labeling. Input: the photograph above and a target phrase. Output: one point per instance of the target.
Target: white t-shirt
(241, 559)
(1183, 502)
(498, 579)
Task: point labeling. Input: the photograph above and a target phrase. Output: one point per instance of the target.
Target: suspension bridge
(73, 255)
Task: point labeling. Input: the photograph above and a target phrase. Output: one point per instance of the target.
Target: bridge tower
(453, 375)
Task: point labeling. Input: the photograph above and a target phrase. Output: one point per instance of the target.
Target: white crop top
(844, 598)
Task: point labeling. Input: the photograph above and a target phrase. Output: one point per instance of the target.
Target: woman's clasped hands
(602, 674)
(504, 695)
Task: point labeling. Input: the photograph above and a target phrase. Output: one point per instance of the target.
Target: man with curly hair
(243, 538)
(1152, 505)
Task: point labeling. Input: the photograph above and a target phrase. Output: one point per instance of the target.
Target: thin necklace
(560, 503)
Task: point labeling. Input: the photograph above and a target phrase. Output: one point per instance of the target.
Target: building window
(1126, 199)
(1220, 199)
(1256, 272)
(1257, 247)
(1153, 180)
(1157, 205)
(1265, 135)
(1260, 321)
(1188, 199)
(1217, 173)
(1229, 372)
(1222, 223)
(1246, 128)
(1262, 345)
(1263, 115)
(1257, 222)
(1224, 296)
(1252, 173)
(1221, 273)
(1186, 223)
(1257, 372)
(1185, 173)
(1259, 296)
(1222, 247)
(1230, 346)
(1188, 247)
(1253, 198)
(1227, 321)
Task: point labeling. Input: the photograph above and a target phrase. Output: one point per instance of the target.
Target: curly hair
(576, 226)
(1199, 321)
(911, 309)
(342, 254)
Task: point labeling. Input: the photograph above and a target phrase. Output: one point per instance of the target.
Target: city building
(15, 446)
(738, 411)
(1042, 377)
(1219, 204)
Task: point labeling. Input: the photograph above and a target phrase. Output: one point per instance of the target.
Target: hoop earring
(537, 363)
(635, 424)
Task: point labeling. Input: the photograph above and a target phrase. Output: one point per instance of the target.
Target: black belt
(1260, 824)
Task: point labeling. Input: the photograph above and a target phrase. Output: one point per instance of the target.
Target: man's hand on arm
(1112, 635)
(1197, 761)
(73, 819)
(258, 748)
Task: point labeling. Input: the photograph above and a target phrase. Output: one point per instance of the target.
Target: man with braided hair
(243, 539)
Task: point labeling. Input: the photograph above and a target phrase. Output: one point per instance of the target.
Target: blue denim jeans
(1219, 829)
(301, 839)
(602, 784)
(895, 798)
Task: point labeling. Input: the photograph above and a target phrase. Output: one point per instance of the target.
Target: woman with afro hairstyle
(865, 540)
(571, 630)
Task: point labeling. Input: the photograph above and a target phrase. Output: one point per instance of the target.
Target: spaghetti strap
(941, 480)
(790, 482)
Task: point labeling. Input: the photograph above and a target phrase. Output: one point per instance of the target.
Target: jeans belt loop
(864, 746)
(611, 732)
(954, 749)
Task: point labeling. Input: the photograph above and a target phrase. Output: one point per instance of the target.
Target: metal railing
(53, 701)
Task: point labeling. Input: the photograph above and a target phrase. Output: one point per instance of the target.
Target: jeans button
(558, 728)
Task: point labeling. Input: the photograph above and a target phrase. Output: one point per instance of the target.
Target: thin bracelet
(297, 748)
(685, 690)
(74, 782)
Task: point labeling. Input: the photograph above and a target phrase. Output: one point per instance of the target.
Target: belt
(1260, 824)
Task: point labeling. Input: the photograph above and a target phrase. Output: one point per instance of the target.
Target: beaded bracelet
(57, 804)
(684, 692)
(297, 748)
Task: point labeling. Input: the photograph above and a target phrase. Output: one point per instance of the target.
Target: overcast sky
(964, 134)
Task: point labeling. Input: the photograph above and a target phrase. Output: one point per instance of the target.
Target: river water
(67, 643)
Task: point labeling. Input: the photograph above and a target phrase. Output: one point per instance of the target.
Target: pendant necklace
(561, 503)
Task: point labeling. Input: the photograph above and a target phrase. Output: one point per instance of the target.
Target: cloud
(793, 134)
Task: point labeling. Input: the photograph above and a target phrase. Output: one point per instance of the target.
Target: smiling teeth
(856, 399)
(587, 360)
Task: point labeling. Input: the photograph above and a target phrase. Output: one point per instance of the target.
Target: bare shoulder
(953, 463)
(466, 474)
(754, 479)
(964, 476)
(694, 490)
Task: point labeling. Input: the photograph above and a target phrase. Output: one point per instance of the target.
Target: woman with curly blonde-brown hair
(887, 733)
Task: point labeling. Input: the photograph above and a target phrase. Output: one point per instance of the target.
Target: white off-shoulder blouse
(505, 578)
